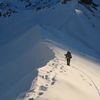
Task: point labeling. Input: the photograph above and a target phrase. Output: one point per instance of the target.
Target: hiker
(68, 57)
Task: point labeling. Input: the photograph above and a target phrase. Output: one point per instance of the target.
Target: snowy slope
(57, 81)
(24, 49)
(21, 57)
(65, 22)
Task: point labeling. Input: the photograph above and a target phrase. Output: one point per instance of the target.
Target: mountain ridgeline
(8, 8)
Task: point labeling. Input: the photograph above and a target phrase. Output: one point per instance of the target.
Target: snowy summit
(49, 50)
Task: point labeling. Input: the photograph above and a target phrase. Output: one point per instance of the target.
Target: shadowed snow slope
(24, 48)
(70, 19)
(19, 61)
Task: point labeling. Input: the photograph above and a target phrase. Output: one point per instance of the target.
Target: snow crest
(57, 81)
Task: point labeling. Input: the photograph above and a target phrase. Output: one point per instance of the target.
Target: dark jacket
(68, 55)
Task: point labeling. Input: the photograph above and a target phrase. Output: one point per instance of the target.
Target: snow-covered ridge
(24, 48)
(56, 80)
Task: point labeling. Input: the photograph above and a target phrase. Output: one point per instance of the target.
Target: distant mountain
(9, 7)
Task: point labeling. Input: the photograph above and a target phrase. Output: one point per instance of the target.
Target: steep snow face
(19, 61)
(22, 48)
(86, 30)
(79, 22)
(57, 81)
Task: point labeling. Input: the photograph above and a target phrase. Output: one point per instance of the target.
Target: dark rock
(31, 98)
(43, 88)
(40, 93)
(86, 1)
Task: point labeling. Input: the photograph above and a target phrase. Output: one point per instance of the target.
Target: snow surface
(32, 48)
(57, 81)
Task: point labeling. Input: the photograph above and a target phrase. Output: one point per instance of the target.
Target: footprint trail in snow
(50, 75)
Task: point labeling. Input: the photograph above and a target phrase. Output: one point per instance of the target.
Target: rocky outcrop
(87, 1)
